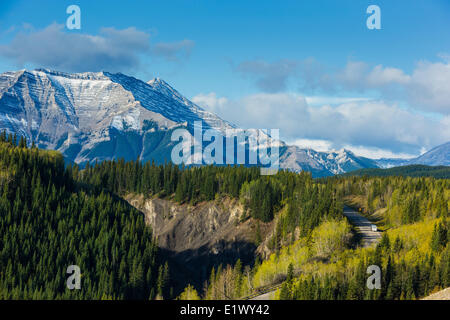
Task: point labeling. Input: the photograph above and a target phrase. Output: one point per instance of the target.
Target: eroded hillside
(203, 236)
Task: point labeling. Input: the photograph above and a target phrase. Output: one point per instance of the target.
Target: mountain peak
(101, 75)
(341, 152)
(437, 156)
(162, 86)
(100, 115)
(97, 115)
(157, 80)
(166, 89)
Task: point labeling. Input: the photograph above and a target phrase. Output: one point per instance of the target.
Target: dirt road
(265, 296)
(363, 227)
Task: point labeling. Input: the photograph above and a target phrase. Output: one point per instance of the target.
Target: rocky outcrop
(199, 237)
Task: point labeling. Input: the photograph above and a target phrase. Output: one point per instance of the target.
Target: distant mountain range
(99, 116)
(438, 156)
(322, 164)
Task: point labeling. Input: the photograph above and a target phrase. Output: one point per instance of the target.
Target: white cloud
(377, 153)
(269, 76)
(353, 74)
(430, 87)
(321, 100)
(174, 50)
(380, 128)
(111, 49)
(211, 102)
(380, 76)
(368, 152)
(278, 111)
(318, 145)
(410, 114)
(53, 48)
(426, 88)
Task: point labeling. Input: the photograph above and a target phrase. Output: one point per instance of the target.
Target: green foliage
(440, 236)
(189, 293)
(47, 223)
(309, 204)
(405, 200)
(262, 196)
(52, 217)
(331, 237)
(226, 283)
(413, 253)
(415, 170)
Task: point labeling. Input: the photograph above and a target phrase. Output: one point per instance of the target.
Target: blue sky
(302, 66)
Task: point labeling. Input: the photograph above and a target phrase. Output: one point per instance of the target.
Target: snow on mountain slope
(95, 116)
(438, 156)
(390, 162)
(322, 164)
(92, 116)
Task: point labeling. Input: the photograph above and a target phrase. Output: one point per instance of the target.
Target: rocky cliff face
(202, 236)
(184, 227)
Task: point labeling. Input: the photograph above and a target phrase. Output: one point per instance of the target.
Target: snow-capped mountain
(438, 156)
(323, 163)
(98, 116)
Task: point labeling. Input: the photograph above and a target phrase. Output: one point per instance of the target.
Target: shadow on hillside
(194, 266)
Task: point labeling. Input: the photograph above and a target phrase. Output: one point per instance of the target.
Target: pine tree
(439, 237)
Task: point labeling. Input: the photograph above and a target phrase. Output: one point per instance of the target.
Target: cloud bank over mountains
(392, 121)
(426, 88)
(115, 50)
(372, 109)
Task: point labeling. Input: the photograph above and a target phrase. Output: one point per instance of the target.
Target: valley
(146, 231)
(230, 231)
(85, 164)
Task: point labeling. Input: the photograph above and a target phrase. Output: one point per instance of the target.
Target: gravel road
(265, 296)
(363, 227)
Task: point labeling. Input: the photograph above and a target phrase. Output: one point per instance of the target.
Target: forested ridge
(414, 170)
(310, 231)
(48, 223)
(52, 216)
(320, 262)
(262, 196)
